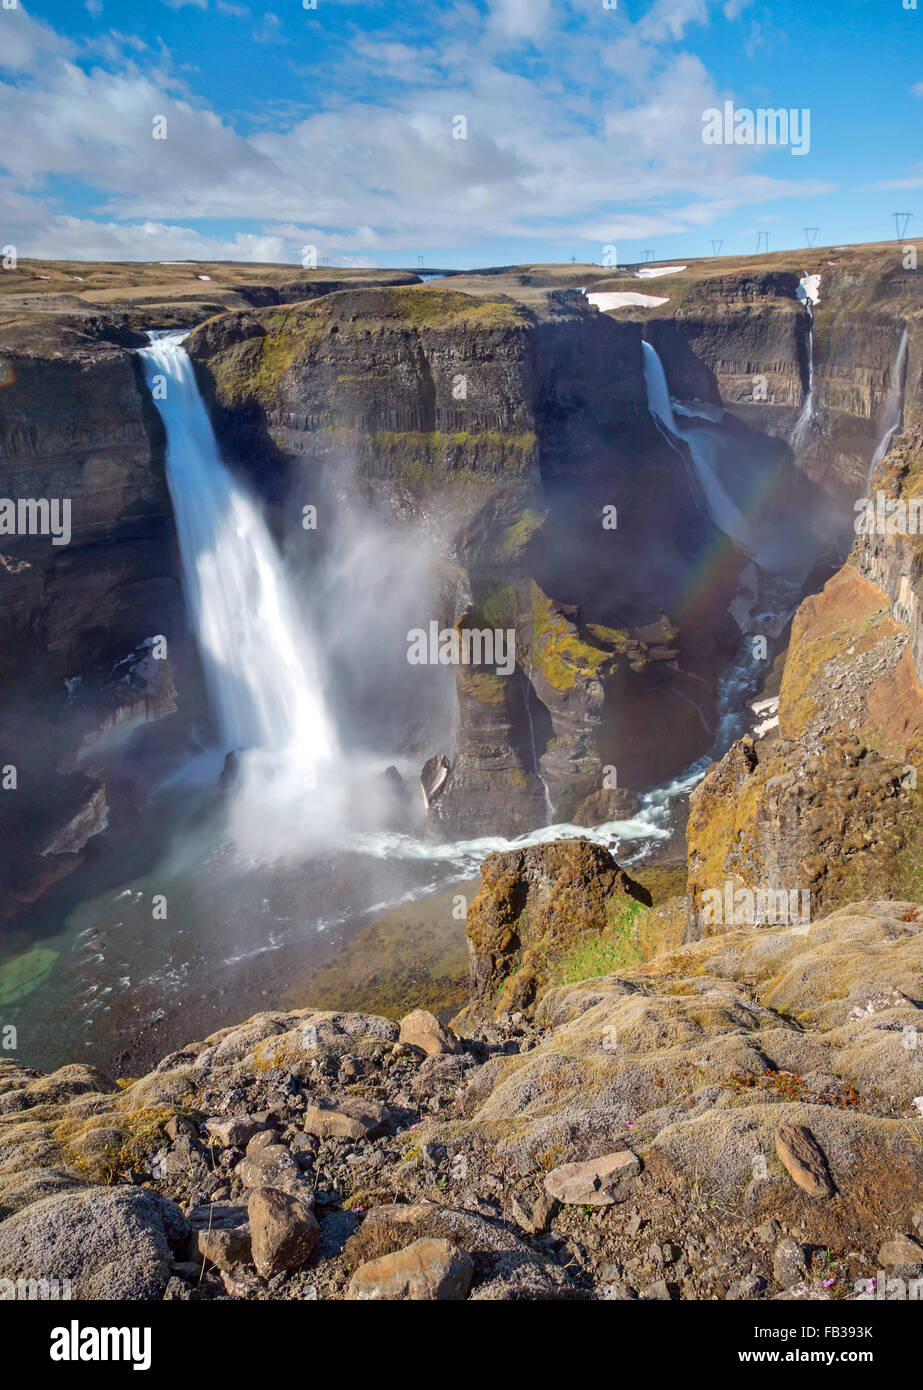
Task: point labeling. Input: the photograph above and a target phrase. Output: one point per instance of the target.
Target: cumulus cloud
(605, 143)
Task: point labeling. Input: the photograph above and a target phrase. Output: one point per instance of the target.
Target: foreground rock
(534, 905)
(107, 1243)
(427, 1269)
(283, 1231)
(666, 1131)
(423, 1030)
(600, 1182)
(802, 1157)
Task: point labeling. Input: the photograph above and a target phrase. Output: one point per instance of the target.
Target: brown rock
(423, 1030)
(225, 1247)
(283, 1231)
(802, 1157)
(901, 1250)
(533, 1216)
(427, 1269)
(533, 902)
(599, 1182)
(347, 1119)
(234, 1133)
(177, 1125)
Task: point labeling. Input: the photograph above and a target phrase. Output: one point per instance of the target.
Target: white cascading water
(806, 416)
(894, 406)
(699, 441)
(808, 293)
(260, 669)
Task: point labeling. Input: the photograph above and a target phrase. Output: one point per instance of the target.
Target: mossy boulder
(535, 905)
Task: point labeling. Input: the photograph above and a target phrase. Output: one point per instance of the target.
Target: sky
(376, 132)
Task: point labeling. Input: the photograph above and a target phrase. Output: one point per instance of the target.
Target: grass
(597, 955)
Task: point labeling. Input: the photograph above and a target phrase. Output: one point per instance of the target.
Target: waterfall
(701, 442)
(806, 415)
(894, 406)
(262, 675)
(527, 701)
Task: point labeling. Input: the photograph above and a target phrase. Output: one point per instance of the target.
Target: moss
(601, 954)
(465, 456)
(435, 307)
(499, 605)
(516, 537)
(135, 1135)
(559, 652)
(485, 686)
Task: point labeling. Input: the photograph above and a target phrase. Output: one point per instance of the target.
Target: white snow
(767, 715)
(623, 298)
(649, 272)
(203, 277)
(809, 288)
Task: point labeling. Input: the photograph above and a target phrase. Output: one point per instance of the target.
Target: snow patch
(650, 272)
(623, 299)
(809, 288)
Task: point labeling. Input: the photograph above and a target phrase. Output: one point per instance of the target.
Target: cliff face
(828, 805)
(505, 413)
(76, 425)
(512, 425)
(744, 339)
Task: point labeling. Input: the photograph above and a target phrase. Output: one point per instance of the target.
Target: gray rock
(789, 1263)
(110, 1242)
(272, 1166)
(599, 1182)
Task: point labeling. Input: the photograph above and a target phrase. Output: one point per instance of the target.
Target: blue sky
(289, 127)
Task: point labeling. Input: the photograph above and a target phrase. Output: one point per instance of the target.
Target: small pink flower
(828, 1283)
(357, 1209)
(628, 1124)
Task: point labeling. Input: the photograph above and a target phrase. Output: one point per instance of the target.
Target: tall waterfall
(806, 414)
(894, 406)
(701, 442)
(262, 675)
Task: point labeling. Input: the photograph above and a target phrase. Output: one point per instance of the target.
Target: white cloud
(520, 19)
(608, 146)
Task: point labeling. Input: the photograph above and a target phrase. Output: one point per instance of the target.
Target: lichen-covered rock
(110, 1243)
(534, 903)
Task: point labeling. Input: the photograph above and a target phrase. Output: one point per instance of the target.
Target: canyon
(711, 695)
